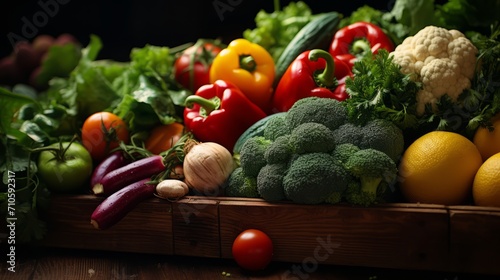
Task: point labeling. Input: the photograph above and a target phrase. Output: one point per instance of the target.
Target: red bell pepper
(312, 73)
(357, 39)
(220, 112)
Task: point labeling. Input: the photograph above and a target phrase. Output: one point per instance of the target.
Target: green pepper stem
(247, 62)
(327, 77)
(361, 46)
(207, 104)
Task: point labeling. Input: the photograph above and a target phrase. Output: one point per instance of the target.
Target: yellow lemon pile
(439, 168)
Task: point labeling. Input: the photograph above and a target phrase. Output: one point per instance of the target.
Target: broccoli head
(311, 178)
(326, 111)
(280, 151)
(348, 133)
(270, 182)
(312, 137)
(379, 134)
(240, 185)
(374, 169)
(385, 136)
(276, 127)
(252, 155)
(344, 151)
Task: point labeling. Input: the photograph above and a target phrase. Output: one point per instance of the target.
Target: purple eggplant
(128, 174)
(116, 206)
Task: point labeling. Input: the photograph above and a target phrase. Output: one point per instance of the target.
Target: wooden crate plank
(146, 229)
(196, 227)
(475, 239)
(405, 238)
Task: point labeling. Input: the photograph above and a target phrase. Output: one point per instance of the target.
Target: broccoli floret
(276, 127)
(252, 155)
(355, 196)
(334, 198)
(379, 134)
(326, 111)
(313, 177)
(280, 151)
(344, 151)
(348, 133)
(385, 136)
(240, 185)
(270, 182)
(312, 137)
(373, 169)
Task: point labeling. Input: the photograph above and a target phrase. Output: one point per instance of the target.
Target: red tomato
(193, 77)
(252, 249)
(163, 137)
(102, 132)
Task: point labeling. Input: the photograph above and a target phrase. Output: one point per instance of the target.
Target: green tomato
(65, 167)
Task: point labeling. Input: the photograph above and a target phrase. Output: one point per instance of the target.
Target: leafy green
(482, 101)
(87, 90)
(149, 94)
(30, 197)
(405, 18)
(412, 14)
(59, 61)
(10, 104)
(380, 90)
(468, 15)
(275, 30)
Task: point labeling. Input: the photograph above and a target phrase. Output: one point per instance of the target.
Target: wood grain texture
(461, 239)
(409, 238)
(146, 229)
(54, 264)
(475, 239)
(196, 227)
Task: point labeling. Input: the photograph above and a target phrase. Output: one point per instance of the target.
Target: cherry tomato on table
(102, 132)
(252, 249)
(192, 67)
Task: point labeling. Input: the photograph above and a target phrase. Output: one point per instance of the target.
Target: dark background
(123, 25)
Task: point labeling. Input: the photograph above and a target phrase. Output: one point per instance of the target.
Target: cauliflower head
(442, 60)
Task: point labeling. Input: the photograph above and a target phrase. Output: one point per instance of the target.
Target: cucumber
(319, 30)
(257, 129)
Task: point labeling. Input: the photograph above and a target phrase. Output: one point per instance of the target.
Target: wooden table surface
(54, 264)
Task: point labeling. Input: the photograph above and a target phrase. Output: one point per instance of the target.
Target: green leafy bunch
(276, 29)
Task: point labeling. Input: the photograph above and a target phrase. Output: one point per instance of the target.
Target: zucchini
(314, 34)
(257, 129)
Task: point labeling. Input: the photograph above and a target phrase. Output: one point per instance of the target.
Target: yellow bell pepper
(248, 66)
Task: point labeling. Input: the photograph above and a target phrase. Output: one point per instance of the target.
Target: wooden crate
(147, 229)
(464, 239)
(475, 239)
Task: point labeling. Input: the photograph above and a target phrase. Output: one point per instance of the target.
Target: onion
(207, 166)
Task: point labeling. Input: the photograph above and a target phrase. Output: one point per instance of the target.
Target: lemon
(488, 141)
(439, 168)
(486, 186)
